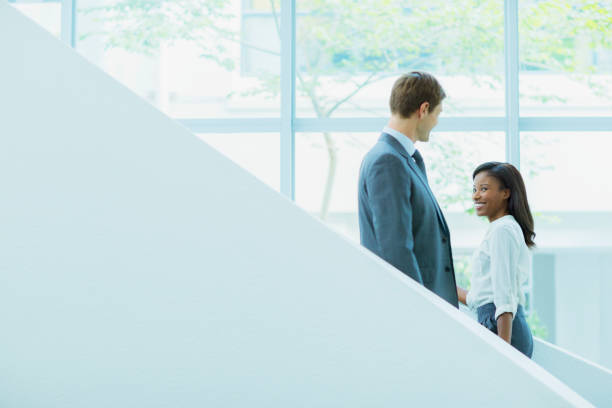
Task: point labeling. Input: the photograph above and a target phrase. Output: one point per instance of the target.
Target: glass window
(451, 158)
(348, 54)
(565, 57)
(211, 59)
(570, 194)
(327, 172)
(258, 153)
(48, 15)
(326, 175)
(568, 171)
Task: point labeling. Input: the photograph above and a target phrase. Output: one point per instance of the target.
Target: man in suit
(399, 217)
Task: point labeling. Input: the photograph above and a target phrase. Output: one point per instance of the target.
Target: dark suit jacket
(401, 221)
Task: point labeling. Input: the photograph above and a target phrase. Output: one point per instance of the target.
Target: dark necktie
(419, 161)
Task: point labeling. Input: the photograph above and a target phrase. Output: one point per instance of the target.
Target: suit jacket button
(444, 240)
(447, 269)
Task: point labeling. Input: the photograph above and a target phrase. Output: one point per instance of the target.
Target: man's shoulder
(381, 149)
(381, 155)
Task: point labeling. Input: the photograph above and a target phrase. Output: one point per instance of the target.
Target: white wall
(570, 287)
(571, 296)
(591, 380)
(583, 319)
(141, 268)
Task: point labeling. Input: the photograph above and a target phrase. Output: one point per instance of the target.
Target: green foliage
(452, 158)
(538, 329)
(554, 33)
(349, 45)
(463, 274)
(344, 46)
(141, 26)
(356, 43)
(360, 42)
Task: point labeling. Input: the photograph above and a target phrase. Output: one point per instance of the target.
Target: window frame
(288, 124)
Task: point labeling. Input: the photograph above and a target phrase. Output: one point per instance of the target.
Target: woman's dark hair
(518, 206)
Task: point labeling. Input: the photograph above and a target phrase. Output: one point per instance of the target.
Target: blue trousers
(521, 334)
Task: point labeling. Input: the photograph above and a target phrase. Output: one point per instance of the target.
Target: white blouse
(500, 268)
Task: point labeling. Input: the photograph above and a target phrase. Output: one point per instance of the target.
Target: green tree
(340, 41)
(358, 43)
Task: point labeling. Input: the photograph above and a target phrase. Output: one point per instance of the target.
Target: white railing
(591, 381)
(140, 267)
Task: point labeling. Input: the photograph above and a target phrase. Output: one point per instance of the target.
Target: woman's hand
(462, 295)
(504, 326)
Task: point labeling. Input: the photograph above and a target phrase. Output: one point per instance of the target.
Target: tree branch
(276, 22)
(358, 88)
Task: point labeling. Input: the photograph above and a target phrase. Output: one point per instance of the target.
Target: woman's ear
(506, 193)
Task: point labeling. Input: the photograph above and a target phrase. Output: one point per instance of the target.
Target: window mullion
(68, 31)
(511, 34)
(287, 136)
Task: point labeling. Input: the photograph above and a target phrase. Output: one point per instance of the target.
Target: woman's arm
(504, 326)
(504, 252)
(462, 295)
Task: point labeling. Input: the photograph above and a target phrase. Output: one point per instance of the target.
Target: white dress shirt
(402, 138)
(500, 268)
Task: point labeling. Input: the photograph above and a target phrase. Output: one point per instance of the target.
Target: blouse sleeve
(504, 253)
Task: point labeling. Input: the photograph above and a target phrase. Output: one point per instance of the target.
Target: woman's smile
(490, 198)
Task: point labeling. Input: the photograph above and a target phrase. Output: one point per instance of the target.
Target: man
(399, 217)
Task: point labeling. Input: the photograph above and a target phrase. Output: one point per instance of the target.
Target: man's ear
(423, 109)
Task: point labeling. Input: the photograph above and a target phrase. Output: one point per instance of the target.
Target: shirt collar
(402, 139)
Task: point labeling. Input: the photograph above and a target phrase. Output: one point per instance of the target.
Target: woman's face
(490, 198)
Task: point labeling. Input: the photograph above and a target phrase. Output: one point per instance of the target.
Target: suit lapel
(416, 169)
(411, 163)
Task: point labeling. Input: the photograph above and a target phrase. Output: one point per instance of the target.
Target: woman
(500, 266)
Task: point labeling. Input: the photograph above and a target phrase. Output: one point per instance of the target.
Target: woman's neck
(498, 216)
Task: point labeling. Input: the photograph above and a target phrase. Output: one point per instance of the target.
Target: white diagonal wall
(139, 267)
